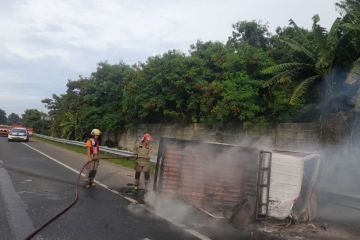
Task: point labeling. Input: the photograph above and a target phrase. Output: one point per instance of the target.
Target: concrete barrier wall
(291, 136)
(298, 136)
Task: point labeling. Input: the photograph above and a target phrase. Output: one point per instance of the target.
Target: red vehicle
(4, 130)
(30, 131)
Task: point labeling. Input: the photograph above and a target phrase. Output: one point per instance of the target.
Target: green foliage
(13, 118)
(297, 47)
(254, 33)
(322, 53)
(36, 120)
(3, 118)
(300, 90)
(70, 127)
(253, 78)
(159, 93)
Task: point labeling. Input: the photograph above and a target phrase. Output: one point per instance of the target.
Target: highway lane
(37, 188)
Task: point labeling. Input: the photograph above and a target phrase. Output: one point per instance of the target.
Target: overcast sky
(44, 43)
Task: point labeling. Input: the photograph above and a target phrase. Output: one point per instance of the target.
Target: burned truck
(242, 184)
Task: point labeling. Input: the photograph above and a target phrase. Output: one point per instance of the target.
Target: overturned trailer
(239, 183)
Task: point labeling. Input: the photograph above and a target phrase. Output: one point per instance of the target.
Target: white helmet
(95, 132)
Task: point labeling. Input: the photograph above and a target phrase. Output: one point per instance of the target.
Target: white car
(18, 134)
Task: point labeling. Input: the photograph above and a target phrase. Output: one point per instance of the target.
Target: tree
(328, 50)
(160, 90)
(227, 82)
(71, 128)
(93, 102)
(13, 118)
(350, 9)
(206, 74)
(105, 96)
(252, 78)
(254, 33)
(3, 118)
(35, 119)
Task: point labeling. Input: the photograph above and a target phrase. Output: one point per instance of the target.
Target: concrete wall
(297, 136)
(290, 136)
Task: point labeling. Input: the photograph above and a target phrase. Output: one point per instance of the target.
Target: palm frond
(329, 49)
(299, 31)
(293, 23)
(320, 34)
(277, 78)
(333, 34)
(351, 26)
(294, 45)
(285, 79)
(68, 125)
(316, 19)
(299, 91)
(287, 66)
(354, 74)
(317, 29)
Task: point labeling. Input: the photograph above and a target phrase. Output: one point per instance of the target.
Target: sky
(44, 43)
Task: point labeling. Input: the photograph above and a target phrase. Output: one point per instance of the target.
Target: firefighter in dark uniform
(142, 152)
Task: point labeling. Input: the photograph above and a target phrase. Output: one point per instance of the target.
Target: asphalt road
(33, 188)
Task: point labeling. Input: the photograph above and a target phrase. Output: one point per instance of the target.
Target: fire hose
(77, 183)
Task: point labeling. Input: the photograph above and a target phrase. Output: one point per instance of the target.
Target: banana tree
(351, 10)
(318, 60)
(70, 127)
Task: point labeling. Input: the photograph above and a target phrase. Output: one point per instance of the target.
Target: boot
(147, 185)
(91, 183)
(87, 184)
(136, 185)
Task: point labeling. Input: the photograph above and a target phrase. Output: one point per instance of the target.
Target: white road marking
(57, 161)
(189, 230)
(76, 171)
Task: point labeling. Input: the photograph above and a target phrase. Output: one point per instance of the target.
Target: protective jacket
(93, 144)
(142, 153)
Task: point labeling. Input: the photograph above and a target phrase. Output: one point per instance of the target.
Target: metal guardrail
(114, 151)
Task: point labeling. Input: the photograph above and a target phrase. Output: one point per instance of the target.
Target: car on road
(18, 134)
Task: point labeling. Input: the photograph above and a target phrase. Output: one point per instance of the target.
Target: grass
(73, 148)
(125, 162)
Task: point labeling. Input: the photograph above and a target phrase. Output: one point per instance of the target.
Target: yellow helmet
(95, 132)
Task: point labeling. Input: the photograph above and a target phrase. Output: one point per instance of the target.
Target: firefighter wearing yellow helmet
(142, 152)
(92, 146)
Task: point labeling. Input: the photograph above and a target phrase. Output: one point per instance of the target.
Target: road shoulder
(18, 219)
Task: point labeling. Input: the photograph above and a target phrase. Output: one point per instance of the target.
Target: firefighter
(142, 152)
(92, 146)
